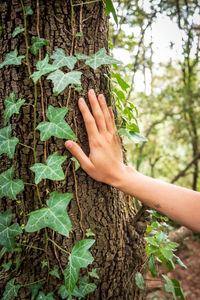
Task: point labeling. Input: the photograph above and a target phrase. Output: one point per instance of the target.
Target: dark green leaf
(12, 106)
(16, 31)
(8, 186)
(52, 170)
(54, 216)
(7, 266)
(85, 287)
(54, 272)
(110, 9)
(12, 59)
(80, 258)
(122, 83)
(28, 10)
(43, 68)
(41, 296)
(152, 266)
(11, 290)
(139, 280)
(34, 289)
(36, 44)
(57, 126)
(7, 144)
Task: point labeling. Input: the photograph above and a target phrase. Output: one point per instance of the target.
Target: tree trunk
(119, 248)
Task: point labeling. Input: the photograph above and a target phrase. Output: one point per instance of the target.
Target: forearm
(180, 204)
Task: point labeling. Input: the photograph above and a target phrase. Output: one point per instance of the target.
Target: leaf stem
(37, 248)
(59, 246)
(88, 2)
(26, 146)
(28, 183)
(26, 39)
(34, 122)
(27, 284)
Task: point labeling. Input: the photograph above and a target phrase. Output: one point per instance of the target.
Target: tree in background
(35, 256)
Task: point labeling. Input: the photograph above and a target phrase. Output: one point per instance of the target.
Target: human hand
(105, 161)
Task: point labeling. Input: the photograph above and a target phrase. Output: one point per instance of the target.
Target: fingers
(78, 153)
(97, 112)
(109, 118)
(89, 121)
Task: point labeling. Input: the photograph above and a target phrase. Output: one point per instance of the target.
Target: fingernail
(101, 96)
(81, 101)
(68, 144)
(91, 92)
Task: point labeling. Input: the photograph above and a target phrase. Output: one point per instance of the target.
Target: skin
(105, 164)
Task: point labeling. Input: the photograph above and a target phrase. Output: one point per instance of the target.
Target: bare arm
(105, 164)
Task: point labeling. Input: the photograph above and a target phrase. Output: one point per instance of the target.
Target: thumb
(78, 153)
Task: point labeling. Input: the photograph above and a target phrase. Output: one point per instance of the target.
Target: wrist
(126, 175)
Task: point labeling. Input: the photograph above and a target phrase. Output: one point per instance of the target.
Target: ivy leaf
(11, 290)
(94, 274)
(54, 272)
(133, 136)
(8, 186)
(7, 144)
(89, 232)
(122, 83)
(139, 280)
(80, 258)
(54, 216)
(57, 126)
(12, 106)
(36, 44)
(12, 59)
(110, 9)
(17, 30)
(28, 10)
(62, 80)
(52, 170)
(44, 263)
(34, 289)
(41, 296)
(100, 58)
(7, 266)
(61, 60)
(79, 34)
(168, 254)
(85, 287)
(43, 68)
(8, 232)
(81, 56)
(64, 293)
(152, 266)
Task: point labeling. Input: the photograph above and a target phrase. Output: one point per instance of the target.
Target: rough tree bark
(119, 248)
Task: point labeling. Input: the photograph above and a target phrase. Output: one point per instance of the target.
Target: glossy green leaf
(133, 136)
(54, 272)
(43, 68)
(160, 236)
(139, 280)
(34, 289)
(179, 262)
(11, 290)
(41, 296)
(62, 80)
(152, 241)
(57, 126)
(8, 232)
(80, 258)
(7, 143)
(152, 266)
(122, 83)
(100, 58)
(53, 216)
(61, 60)
(52, 170)
(12, 106)
(168, 254)
(110, 9)
(7, 266)
(12, 59)
(17, 30)
(28, 10)
(94, 274)
(8, 186)
(36, 44)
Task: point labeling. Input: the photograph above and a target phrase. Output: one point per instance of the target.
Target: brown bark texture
(119, 249)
